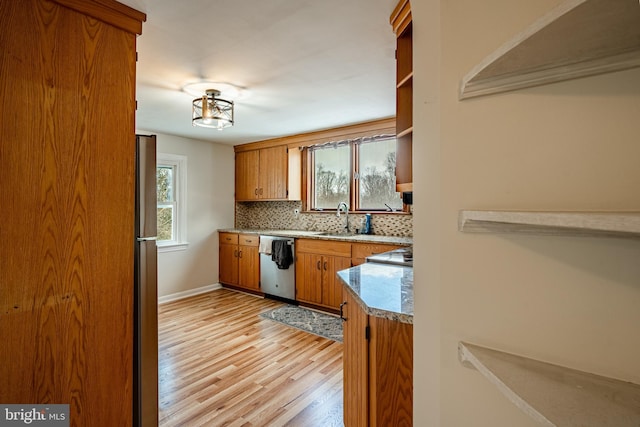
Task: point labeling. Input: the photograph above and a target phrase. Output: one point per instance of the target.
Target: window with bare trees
(360, 173)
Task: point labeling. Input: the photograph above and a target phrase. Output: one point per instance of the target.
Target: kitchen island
(378, 344)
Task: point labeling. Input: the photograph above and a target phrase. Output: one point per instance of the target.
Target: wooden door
(274, 173)
(67, 174)
(309, 277)
(331, 285)
(249, 267)
(247, 170)
(355, 363)
(228, 256)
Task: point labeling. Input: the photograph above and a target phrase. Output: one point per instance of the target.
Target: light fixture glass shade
(212, 112)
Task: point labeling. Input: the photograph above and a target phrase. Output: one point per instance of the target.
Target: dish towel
(265, 245)
(281, 254)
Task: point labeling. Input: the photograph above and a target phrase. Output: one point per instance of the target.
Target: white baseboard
(189, 293)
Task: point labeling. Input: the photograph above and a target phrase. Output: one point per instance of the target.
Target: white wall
(210, 182)
(568, 146)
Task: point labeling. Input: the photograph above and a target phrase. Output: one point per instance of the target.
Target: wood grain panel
(228, 238)
(309, 277)
(249, 267)
(324, 247)
(331, 285)
(67, 173)
(247, 170)
(391, 376)
(228, 255)
(274, 173)
(249, 239)
(356, 364)
(363, 250)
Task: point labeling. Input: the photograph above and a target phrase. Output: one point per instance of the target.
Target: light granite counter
(384, 291)
(355, 238)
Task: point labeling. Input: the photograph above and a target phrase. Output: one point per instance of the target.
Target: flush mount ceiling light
(209, 111)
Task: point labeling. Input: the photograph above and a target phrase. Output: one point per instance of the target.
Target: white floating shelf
(596, 224)
(554, 395)
(579, 38)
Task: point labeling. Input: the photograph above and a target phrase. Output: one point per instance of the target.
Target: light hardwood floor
(221, 364)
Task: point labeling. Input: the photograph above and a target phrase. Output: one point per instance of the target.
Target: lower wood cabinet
(378, 369)
(317, 262)
(239, 260)
(360, 251)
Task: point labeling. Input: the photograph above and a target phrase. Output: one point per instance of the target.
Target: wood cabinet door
(331, 285)
(309, 278)
(390, 373)
(274, 172)
(355, 364)
(249, 267)
(228, 264)
(247, 169)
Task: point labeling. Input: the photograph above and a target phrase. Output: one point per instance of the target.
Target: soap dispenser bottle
(367, 224)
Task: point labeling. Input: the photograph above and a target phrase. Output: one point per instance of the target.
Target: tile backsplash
(281, 215)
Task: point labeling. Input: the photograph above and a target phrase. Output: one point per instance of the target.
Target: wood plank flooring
(221, 364)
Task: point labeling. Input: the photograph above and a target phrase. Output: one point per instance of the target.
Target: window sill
(333, 211)
(172, 246)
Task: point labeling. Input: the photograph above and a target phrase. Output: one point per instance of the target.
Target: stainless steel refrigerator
(145, 369)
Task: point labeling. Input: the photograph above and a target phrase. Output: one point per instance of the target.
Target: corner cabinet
(67, 258)
(239, 261)
(262, 174)
(402, 27)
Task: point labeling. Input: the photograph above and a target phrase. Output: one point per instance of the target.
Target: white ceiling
(306, 64)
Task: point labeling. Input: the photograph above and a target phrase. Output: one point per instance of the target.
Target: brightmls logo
(36, 415)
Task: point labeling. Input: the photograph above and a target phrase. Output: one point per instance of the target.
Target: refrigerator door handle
(145, 239)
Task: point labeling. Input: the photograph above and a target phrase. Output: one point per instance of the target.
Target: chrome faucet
(346, 215)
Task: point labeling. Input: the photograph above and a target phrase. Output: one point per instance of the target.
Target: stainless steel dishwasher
(274, 281)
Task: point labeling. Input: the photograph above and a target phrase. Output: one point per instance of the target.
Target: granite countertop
(357, 238)
(384, 291)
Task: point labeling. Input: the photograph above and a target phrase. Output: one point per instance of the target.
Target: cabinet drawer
(324, 247)
(363, 250)
(229, 238)
(249, 239)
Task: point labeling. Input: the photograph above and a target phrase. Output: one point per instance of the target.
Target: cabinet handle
(239, 254)
(249, 241)
(261, 191)
(325, 266)
(318, 265)
(344, 319)
(235, 253)
(255, 191)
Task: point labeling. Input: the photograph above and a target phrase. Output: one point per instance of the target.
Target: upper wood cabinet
(402, 27)
(67, 258)
(263, 174)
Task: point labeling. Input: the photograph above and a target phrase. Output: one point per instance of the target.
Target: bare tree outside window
(165, 184)
(372, 178)
(331, 177)
(377, 176)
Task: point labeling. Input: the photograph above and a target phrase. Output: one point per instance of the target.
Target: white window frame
(179, 165)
